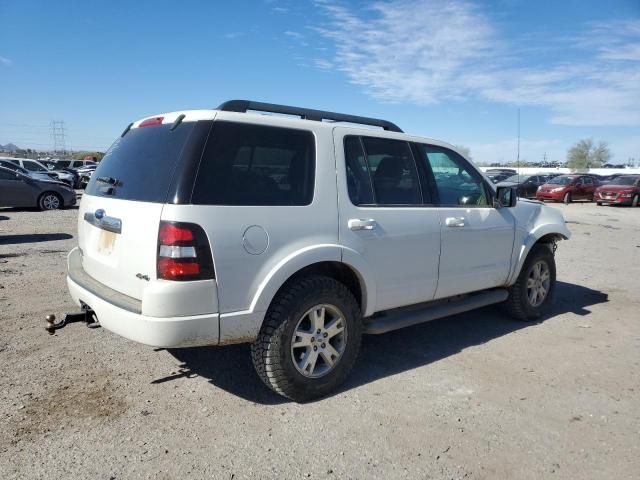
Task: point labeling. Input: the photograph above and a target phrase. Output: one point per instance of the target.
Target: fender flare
(530, 240)
(288, 266)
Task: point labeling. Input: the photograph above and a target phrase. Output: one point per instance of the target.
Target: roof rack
(305, 113)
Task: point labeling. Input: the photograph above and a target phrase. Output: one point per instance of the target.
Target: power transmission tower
(58, 136)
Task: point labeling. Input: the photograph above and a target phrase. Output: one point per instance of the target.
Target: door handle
(362, 223)
(455, 221)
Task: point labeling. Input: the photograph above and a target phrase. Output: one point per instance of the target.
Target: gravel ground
(472, 396)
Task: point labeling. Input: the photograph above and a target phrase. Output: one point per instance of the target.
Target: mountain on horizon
(9, 147)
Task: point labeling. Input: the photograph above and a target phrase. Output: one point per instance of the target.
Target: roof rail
(305, 113)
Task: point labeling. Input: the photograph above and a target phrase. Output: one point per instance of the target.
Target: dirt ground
(474, 396)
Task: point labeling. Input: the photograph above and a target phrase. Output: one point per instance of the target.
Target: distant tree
(585, 155)
(464, 151)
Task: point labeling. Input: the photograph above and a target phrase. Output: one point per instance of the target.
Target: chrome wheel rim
(319, 340)
(51, 202)
(538, 283)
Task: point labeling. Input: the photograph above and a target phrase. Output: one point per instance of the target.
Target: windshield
(561, 180)
(517, 178)
(624, 181)
(140, 165)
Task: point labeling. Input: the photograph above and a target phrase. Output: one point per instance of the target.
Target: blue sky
(456, 70)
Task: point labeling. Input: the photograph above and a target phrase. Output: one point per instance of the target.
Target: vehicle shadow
(33, 238)
(2, 217)
(230, 368)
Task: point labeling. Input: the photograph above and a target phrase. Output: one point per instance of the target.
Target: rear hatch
(121, 208)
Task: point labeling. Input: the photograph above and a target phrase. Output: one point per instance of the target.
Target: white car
(212, 227)
(38, 167)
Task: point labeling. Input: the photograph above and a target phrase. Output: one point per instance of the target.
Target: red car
(567, 188)
(624, 190)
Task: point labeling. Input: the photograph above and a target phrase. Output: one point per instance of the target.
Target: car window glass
(588, 181)
(246, 164)
(4, 175)
(456, 182)
(358, 178)
(393, 172)
(62, 164)
(33, 167)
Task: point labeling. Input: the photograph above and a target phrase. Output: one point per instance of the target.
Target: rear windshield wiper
(110, 180)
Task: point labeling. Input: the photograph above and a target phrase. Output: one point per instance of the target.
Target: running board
(406, 317)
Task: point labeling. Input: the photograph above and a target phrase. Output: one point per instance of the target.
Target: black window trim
(361, 138)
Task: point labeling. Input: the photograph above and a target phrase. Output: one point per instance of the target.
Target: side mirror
(506, 197)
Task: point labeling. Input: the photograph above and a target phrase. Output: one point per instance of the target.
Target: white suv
(222, 226)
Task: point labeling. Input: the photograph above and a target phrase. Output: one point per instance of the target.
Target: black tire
(599, 204)
(50, 201)
(519, 304)
(635, 201)
(272, 351)
(567, 198)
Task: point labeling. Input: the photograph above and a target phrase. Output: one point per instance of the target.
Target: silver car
(19, 190)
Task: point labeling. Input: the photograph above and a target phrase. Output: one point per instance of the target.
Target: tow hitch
(86, 316)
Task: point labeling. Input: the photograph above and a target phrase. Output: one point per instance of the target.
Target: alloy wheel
(538, 283)
(319, 340)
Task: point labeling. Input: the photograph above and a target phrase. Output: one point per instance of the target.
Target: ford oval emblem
(99, 213)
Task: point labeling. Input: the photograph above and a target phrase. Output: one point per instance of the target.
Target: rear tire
(567, 198)
(599, 204)
(533, 291)
(310, 338)
(49, 201)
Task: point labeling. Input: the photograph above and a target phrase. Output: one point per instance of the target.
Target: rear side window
(140, 165)
(245, 164)
(63, 164)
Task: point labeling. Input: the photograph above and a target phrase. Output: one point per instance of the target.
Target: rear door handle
(455, 221)
(362, 223)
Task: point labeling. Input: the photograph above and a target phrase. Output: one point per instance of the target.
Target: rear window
(245, 164)
(140, 165)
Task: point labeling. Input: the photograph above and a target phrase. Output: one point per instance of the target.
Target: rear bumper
(122, 315)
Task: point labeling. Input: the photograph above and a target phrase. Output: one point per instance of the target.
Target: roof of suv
(274, 115)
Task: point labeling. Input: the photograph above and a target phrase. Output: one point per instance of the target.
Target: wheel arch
(548, 234)
(325, 260)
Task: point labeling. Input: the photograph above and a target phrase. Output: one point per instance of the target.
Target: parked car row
(75, 173)
(622, 190)
(20, 188)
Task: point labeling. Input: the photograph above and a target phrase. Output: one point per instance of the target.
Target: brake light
(183, 252)
(150, 122)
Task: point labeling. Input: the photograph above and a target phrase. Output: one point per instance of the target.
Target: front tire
(310, 338)
(634, 202)
(531, 295)
(567, 198)
(599, 204)
(49, 201)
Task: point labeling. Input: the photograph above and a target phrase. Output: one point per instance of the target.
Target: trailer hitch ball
(51, 324)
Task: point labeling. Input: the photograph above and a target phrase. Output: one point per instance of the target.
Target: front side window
(34, 167)
(245, 164)
(4, 175)
(393, 172)
(456, 182)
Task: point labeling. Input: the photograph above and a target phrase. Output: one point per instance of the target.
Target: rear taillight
(183, 252)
